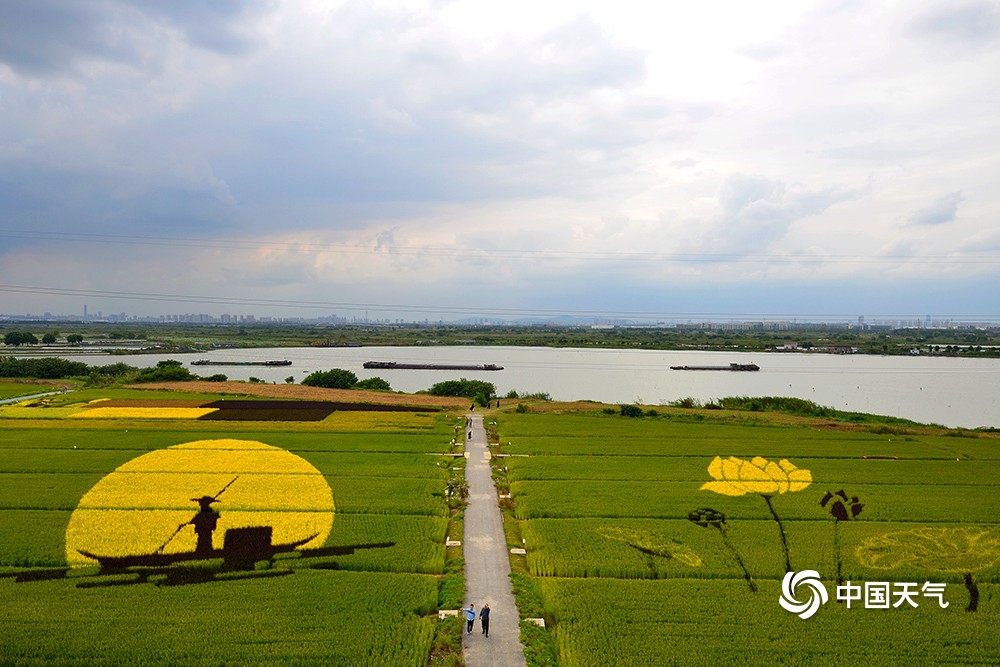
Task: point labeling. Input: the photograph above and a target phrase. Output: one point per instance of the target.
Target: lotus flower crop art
(736, 477)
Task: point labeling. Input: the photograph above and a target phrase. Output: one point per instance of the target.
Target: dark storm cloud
(420, 117)
(45, 198)
(384, 109)
(941, 210)
(212, 24)
(45, 37)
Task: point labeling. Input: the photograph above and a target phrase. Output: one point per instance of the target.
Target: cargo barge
(390, 365)
(273, 362)
(730, 367)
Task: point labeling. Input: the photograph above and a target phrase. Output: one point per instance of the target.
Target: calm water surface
(947, 391)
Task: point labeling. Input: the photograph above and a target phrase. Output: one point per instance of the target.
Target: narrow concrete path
(487, 564)
(18, 399)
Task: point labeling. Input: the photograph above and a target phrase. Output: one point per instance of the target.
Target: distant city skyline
(433, 160)
(718, 322)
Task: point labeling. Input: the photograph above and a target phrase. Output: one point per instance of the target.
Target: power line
(482, 311)
(499, 253)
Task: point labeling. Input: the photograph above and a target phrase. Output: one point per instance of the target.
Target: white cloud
(544, 148)
(941, 210)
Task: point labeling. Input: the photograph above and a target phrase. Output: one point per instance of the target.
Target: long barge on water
(272, 362)
(730, 367)
(391, 365)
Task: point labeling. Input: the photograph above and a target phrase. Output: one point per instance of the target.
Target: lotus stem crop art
(841, 508)
(736, 477)
(707, 517)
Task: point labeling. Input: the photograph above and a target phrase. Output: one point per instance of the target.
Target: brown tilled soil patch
(310, 393)
(264, 410)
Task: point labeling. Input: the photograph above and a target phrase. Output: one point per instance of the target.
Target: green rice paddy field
(625, 578)
(373, 605)
(620, 573)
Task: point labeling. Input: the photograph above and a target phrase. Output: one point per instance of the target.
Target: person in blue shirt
(470, 617)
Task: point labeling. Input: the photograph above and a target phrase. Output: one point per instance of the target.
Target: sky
(443, 160)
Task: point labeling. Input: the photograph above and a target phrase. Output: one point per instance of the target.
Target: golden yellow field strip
(18, 411)
(225, 457)
(143, 413)
(175, 490)
(147, 403)
(356, 420)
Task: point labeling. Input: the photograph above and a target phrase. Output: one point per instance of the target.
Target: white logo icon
(817, 593)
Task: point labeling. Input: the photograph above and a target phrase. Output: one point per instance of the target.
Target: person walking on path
(484, 619)
(470, 617)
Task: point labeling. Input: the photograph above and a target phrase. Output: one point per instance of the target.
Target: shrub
(373, 384)
(48, 369)
(686, 402)
(218, 377)
(630, 410)
(104, 376)
(474, 389)
(168, 370)
(16, 338)
(336, 378)
(118, 370)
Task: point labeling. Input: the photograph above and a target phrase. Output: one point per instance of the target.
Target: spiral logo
(817, 593)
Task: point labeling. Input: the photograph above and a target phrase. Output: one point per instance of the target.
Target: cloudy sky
(445, 159)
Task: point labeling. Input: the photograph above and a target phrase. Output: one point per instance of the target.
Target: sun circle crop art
(157, 503)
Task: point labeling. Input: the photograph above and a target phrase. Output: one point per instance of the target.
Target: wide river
(948, 391)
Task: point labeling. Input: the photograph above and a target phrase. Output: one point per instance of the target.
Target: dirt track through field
(487, 565)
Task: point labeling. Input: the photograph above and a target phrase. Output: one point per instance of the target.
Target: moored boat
(241, 544)
(271, 362)
(388, 365)
(730, 367)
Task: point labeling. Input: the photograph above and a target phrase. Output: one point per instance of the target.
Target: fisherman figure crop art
(204, 523)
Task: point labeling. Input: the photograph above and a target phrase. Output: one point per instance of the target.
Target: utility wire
(499, 253)
(483, 311)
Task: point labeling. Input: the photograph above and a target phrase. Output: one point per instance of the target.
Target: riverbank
(845, 338)
(881, 426)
